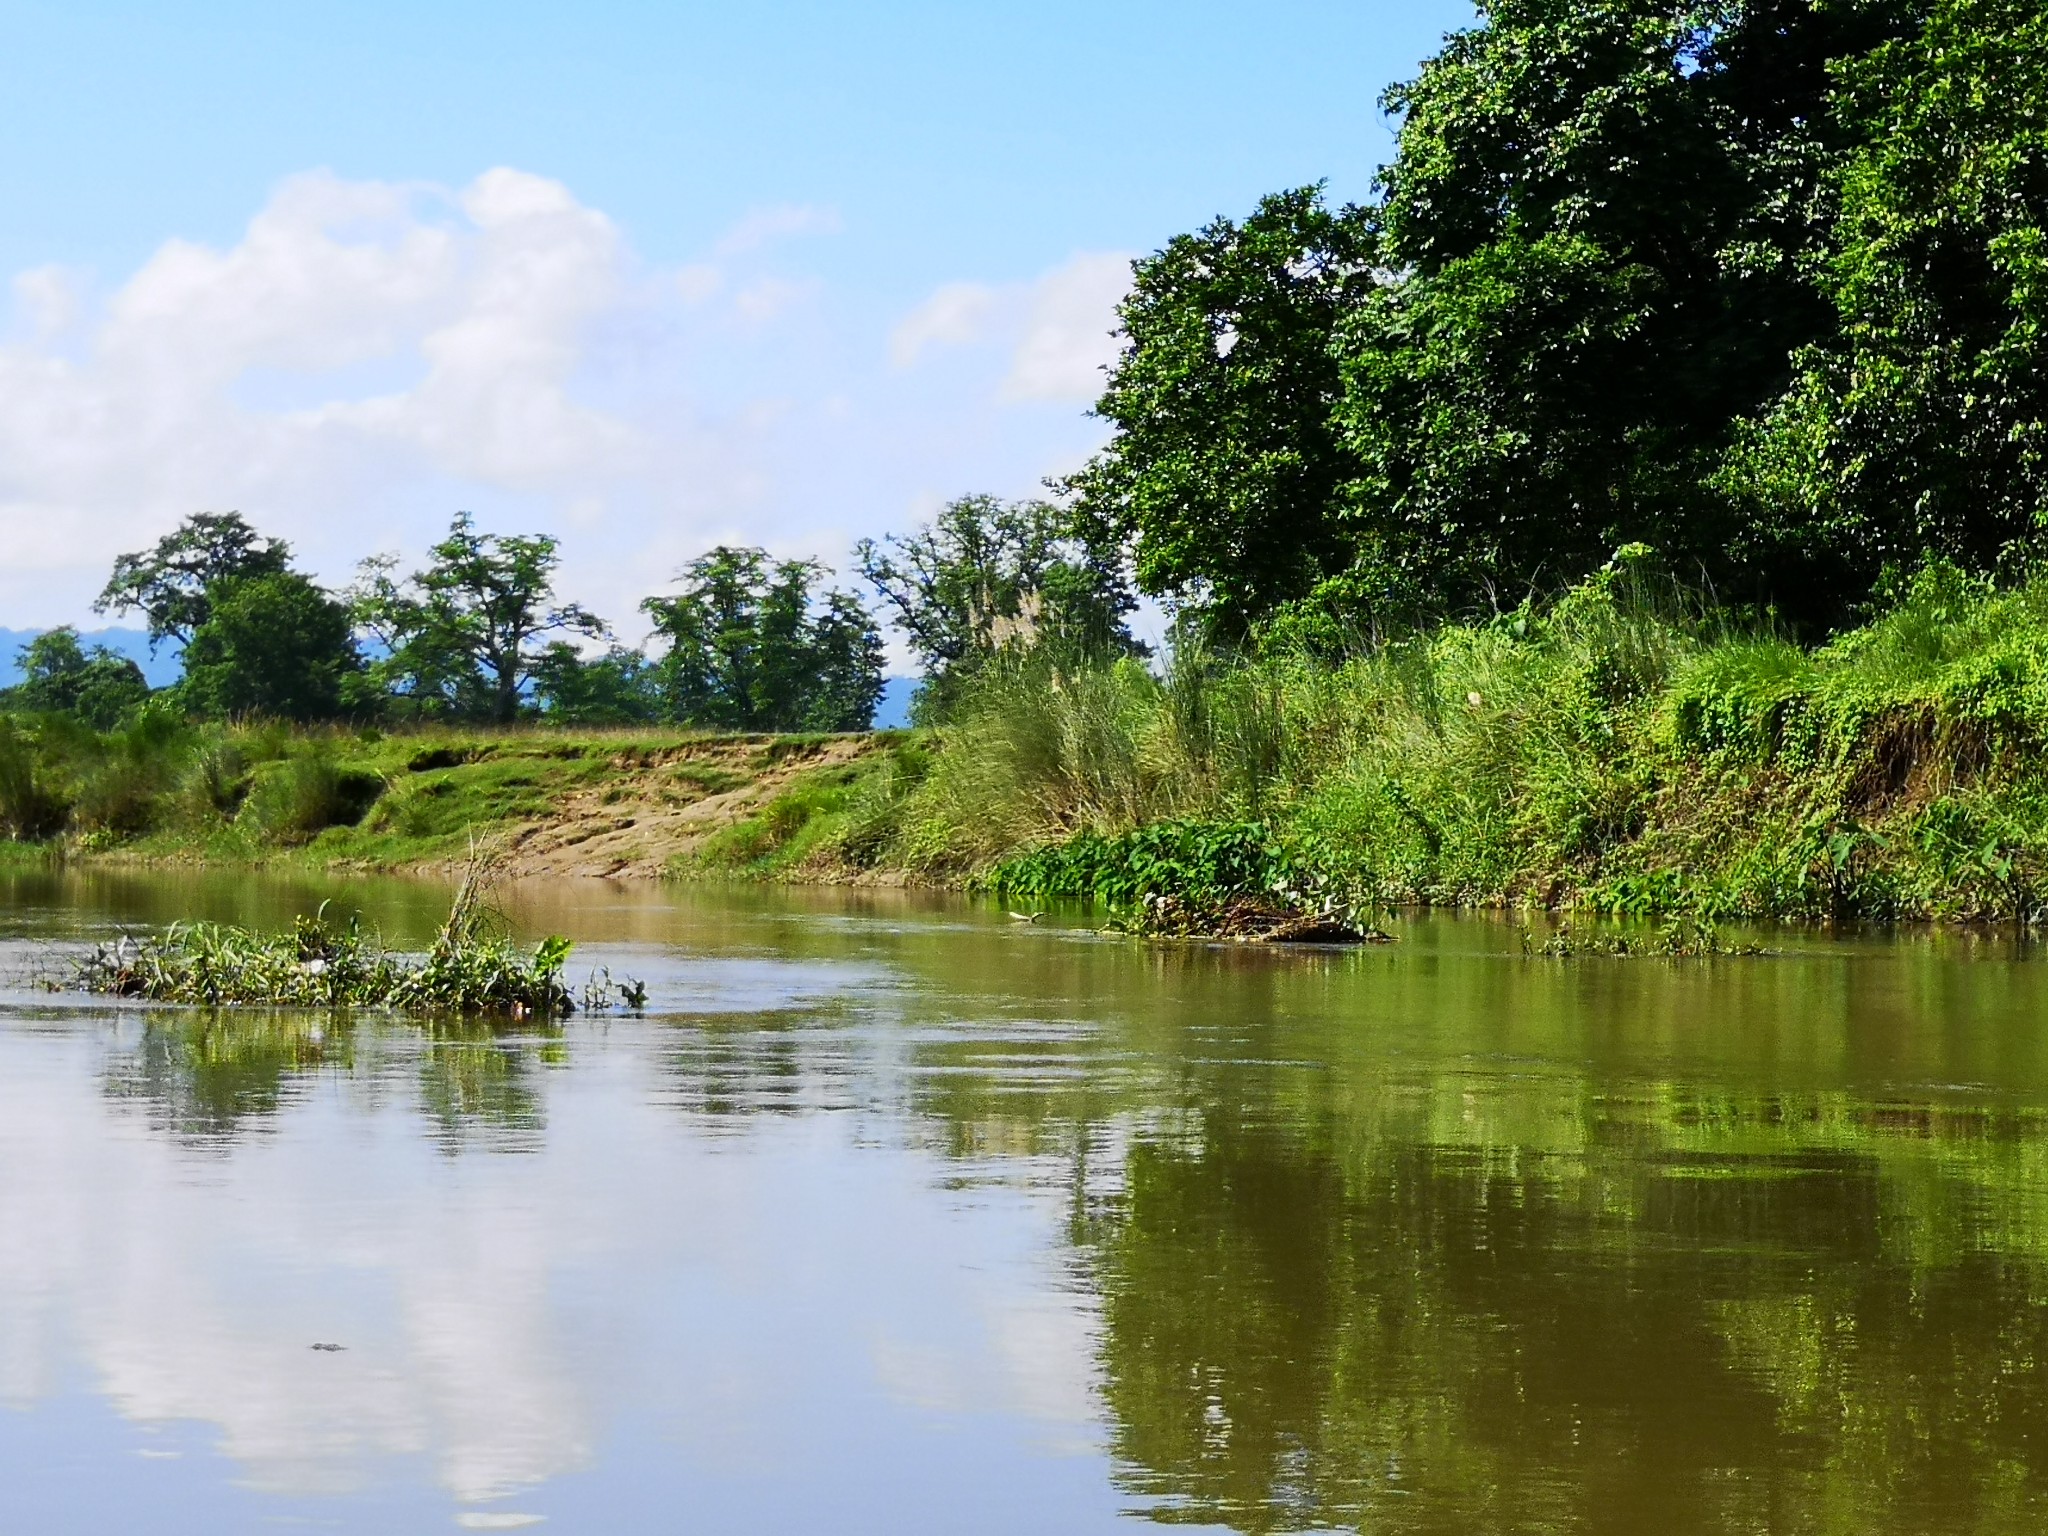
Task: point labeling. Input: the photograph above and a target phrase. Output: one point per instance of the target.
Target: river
(895, 1215)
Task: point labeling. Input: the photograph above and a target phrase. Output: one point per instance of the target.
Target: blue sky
(642, 276)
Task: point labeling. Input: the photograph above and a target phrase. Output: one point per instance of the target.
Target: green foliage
(29, 807)
(172, 585)
(1202, 862)
(59, 676)
(473, 967)
(273, 645)
(297, 797)
(1757, 282)
(1227, 466)
(1619, 749)
(826, 820)
(459, 636)
(1921, 423)
(616, 688)
(753, 646)
(988, 580)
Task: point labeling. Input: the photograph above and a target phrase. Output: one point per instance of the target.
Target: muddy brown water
(895, 1215)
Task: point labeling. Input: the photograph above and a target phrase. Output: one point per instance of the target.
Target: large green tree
(274, 645)
(987, 577)
(171, 584)
(464, 634)
(61, 676)
(618, 687)
(1227, 467)
(1600, 232)
(1597, 252)
(1921, 424)
(753, 645)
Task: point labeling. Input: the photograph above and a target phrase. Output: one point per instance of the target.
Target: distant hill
(161, 669)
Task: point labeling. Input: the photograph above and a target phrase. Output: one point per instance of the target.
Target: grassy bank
(1622, 749)
(571, 800)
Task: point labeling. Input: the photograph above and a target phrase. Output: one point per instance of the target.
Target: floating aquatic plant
(472, 967)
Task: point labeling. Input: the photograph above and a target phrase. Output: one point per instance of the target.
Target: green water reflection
(1435, 1238)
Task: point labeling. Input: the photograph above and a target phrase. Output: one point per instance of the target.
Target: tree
(60, 676)
(987, 576)
(618, 688)
(1921, 424)
(1594, 256)
(273, 645)
(1599, 233)
(1226, 469)
(753, 646)
(170, 584)
(459, 637)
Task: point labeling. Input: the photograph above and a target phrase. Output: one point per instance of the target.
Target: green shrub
(29, 807)
(294, 799)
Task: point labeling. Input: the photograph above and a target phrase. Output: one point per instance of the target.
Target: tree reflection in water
(1432, 1240)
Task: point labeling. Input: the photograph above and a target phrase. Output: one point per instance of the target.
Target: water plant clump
(473, 967)
(1681, 936)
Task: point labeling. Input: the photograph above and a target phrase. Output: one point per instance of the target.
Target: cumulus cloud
(367, 358)
(1057, 329)
(958, 315)
(781, 221)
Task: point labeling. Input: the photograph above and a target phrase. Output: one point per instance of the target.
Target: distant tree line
(478, 633)
(1760, 284)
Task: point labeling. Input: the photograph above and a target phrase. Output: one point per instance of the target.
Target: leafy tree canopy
(753, 646)
(1227, 465)
(619, 687)
(1921, 424)
(273, 645)
(987, 576)
(61, 676)
(463, 635)
(170, 584)
(1614, 235)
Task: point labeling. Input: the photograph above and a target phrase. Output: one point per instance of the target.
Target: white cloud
(1068, 338)
(958, 315)
(780, 221)
(769, 298)
(48, 300)
(366, 358)
(1057, 328)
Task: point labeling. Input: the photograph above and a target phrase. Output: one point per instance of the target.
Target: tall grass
(1624, 747)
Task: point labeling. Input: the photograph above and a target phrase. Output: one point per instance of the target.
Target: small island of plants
(472, 968)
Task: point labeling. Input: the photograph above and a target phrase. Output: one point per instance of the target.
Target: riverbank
(616, 804)
(1621, 750)
(1626, 749)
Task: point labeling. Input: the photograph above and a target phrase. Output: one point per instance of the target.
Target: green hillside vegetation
(165, 788)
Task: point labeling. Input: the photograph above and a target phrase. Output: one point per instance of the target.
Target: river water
(895, 1215)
